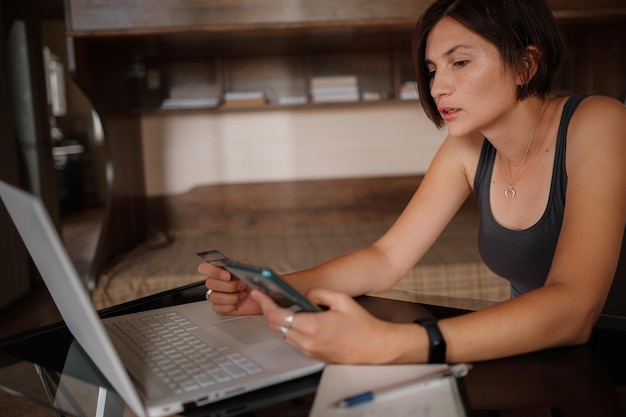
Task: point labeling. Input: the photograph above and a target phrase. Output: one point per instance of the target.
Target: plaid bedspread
(452, 267)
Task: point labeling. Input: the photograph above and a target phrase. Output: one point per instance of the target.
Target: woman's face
(469, 81)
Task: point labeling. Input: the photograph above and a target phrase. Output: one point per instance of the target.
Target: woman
(550, 177)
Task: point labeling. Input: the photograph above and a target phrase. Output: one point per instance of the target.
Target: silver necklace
(510, 189)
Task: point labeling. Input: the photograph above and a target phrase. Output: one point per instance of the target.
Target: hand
(228, 294)
(345, 333)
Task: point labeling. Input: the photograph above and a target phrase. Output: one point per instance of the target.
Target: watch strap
(437, 350)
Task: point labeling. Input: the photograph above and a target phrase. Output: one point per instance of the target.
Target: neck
(512, 135)
(512, 176)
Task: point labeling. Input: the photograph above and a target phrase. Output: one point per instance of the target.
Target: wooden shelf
(275, 107)
(149, 70)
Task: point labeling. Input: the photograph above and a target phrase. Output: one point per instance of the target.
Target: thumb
(264, 300)
(329, 298)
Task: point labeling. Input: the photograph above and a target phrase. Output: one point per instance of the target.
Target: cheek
(485, 81)
(492, 93)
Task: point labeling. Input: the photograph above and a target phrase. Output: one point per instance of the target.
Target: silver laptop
(159, 361)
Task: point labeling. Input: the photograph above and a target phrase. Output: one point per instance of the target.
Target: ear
(528, 64)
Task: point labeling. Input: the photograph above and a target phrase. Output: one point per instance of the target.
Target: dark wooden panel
(596, 61)
(14, 259)
(117, 16)
(121, 15)
(587, 8)
(15, 267)
(124, 223)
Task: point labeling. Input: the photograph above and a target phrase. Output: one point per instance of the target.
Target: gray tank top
(524, 257)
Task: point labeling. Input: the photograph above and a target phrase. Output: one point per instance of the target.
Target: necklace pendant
(509, 192)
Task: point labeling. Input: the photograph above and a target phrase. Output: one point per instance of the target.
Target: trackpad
(248, 330)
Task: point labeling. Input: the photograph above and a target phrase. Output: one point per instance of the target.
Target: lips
(448, 113)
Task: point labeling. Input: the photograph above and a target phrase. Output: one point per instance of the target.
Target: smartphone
(272, 284)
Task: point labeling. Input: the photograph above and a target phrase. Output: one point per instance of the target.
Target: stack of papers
(292, 100)
(244, 98)
(408, 91)
(406, 391)
(334, 89)
(189, 103)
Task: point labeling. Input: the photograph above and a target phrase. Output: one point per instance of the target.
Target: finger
(225, 286)
(212, 271)
(246, 307)
(282, 331)
(224, 309)
(296, 340)
(301, 339)
(231, 298)
(274, 314)
(289, 320)
(268, 305)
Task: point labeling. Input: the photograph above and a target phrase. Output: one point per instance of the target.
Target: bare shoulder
(596, 142)
(599, 114)
(599, 124)
(464, 146)
(599, 102)
(458, 155)
(469, 148)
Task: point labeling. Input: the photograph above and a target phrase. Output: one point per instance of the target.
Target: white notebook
(432, 397)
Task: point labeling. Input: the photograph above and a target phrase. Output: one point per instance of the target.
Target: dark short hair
(510, 25)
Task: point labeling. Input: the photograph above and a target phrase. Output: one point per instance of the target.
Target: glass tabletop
(79, 390)
(29, 389)
(44, 374)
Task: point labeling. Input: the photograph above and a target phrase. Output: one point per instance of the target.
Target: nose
(438, 85)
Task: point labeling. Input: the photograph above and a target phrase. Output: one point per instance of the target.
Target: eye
(461, 63)
(430, 73)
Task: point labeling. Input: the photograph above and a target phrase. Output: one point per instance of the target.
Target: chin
(458, 131)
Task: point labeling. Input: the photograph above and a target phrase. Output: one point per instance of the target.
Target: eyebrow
(449, 52)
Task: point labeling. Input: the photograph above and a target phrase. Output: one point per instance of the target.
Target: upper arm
(443, 190)
(595, 209)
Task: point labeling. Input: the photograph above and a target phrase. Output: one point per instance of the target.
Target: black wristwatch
(437, 351)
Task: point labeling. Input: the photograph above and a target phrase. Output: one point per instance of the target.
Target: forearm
(538, 320)
(541, 319)
(356, 273)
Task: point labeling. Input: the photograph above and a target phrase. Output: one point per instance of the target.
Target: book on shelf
(373, 96)
(189, 103)
(244, 102)
(408, 91)
(244, 98)
(334, 81)
(335, 98)
(292, 100)
(191, 96)
(334, 89)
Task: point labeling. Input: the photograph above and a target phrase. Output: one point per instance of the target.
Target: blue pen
(458, 370)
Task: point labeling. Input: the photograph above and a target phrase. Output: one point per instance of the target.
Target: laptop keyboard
(182, 360)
